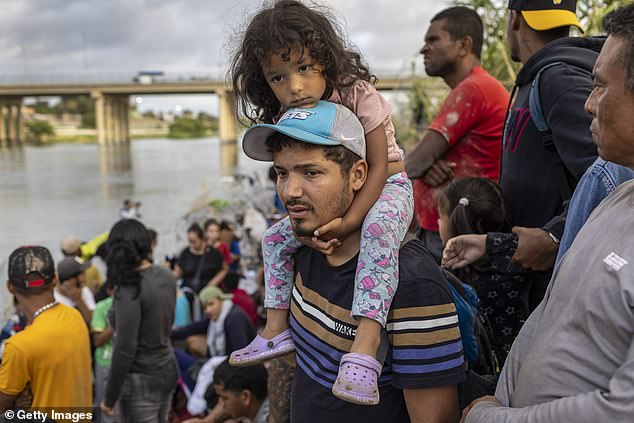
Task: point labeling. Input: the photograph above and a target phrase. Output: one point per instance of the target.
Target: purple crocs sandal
(262, 349)
(357, 379)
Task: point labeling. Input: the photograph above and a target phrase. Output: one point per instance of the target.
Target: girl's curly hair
(278, 28)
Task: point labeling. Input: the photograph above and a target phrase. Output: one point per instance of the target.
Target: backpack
(548, 140)
(475, 331)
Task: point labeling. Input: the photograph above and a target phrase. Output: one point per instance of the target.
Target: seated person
(226, 326)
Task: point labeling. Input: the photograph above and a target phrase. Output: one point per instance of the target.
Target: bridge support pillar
(11, 129)
(112, 118)
(228, 128)
(3, 124)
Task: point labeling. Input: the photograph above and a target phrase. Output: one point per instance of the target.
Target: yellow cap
(542, 20)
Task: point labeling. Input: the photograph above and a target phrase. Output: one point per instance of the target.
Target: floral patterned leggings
(376, 276)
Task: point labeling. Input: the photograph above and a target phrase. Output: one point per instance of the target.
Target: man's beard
(442, 69)
(338, 205)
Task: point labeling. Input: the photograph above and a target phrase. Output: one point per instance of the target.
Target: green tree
(42, 107)
(38, 131)
(186, 127)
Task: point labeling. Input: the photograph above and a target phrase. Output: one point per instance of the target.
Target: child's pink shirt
(373, 110)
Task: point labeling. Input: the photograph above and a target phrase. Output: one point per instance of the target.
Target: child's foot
(262, 349)
(357, 381)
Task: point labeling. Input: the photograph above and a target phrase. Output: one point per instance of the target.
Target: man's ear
(515, 18)
(246, 397)
(358, 174)
(466, 45)
(10, 288)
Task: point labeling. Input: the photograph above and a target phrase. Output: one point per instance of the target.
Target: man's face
(612, 105)
(511, 37)
(213, 308)
(440, 52)
(313, 189)
(232, 402)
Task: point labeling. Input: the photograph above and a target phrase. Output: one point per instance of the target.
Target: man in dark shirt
(540, 170)
(320, 169)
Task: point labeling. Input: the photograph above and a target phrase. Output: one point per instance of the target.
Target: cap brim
(254, 146)
(82, 268)
(543, 20)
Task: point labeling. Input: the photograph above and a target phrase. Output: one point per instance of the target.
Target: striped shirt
(422, 326)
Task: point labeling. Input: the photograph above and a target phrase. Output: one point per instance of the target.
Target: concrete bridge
(111, 94)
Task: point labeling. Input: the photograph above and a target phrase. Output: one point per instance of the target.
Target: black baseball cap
(71, 266)
(542, 15)
(26, 261)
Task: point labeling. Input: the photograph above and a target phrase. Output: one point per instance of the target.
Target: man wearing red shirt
(465, 137)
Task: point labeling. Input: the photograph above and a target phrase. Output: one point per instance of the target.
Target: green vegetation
(38, 131)
(188, 126)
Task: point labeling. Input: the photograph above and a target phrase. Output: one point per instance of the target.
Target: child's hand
(336, 228)
(324, 247)
(463, 250)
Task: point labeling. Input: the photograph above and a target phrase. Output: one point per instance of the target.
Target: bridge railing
(102, 78)
(148, 77)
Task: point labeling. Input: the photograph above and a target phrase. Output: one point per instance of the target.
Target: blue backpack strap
(548, 141)
(535, 101)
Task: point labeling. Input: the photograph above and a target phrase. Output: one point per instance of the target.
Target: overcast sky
(113, 36)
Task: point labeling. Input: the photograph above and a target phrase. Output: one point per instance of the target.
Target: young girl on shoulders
(472, 212)
(293, 56)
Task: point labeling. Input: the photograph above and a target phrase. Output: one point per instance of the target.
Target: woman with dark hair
(198, 264)
(143, 372)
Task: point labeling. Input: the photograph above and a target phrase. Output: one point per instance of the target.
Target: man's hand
(535, 249)
(108, 411)
(24, 400)
(440, 172)
(463, 250)
(468, 408)
(71, 289)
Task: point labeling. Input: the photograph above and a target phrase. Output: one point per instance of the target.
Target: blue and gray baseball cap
(325, 124)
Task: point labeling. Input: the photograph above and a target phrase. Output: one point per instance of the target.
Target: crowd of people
(366, 306)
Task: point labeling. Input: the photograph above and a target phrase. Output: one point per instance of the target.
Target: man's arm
(433, 405)
(6, 402)
(128, 311)
(423, 156)
(14, 375)
(220, 276)
(101, 337)
(615, 403)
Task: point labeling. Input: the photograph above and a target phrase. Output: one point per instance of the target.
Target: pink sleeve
(366, 103)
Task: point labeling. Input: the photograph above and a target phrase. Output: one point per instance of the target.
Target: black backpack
(481, 378)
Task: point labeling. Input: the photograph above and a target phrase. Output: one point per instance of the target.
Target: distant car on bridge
(147, 77)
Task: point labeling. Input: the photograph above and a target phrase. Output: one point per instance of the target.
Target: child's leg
(278, 247)
(376, 280)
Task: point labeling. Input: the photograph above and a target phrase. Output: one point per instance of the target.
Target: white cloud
(114, 36)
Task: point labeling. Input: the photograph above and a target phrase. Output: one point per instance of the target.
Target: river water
(49, 192)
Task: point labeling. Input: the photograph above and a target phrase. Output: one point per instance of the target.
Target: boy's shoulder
(106, 303)
(421, 280)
